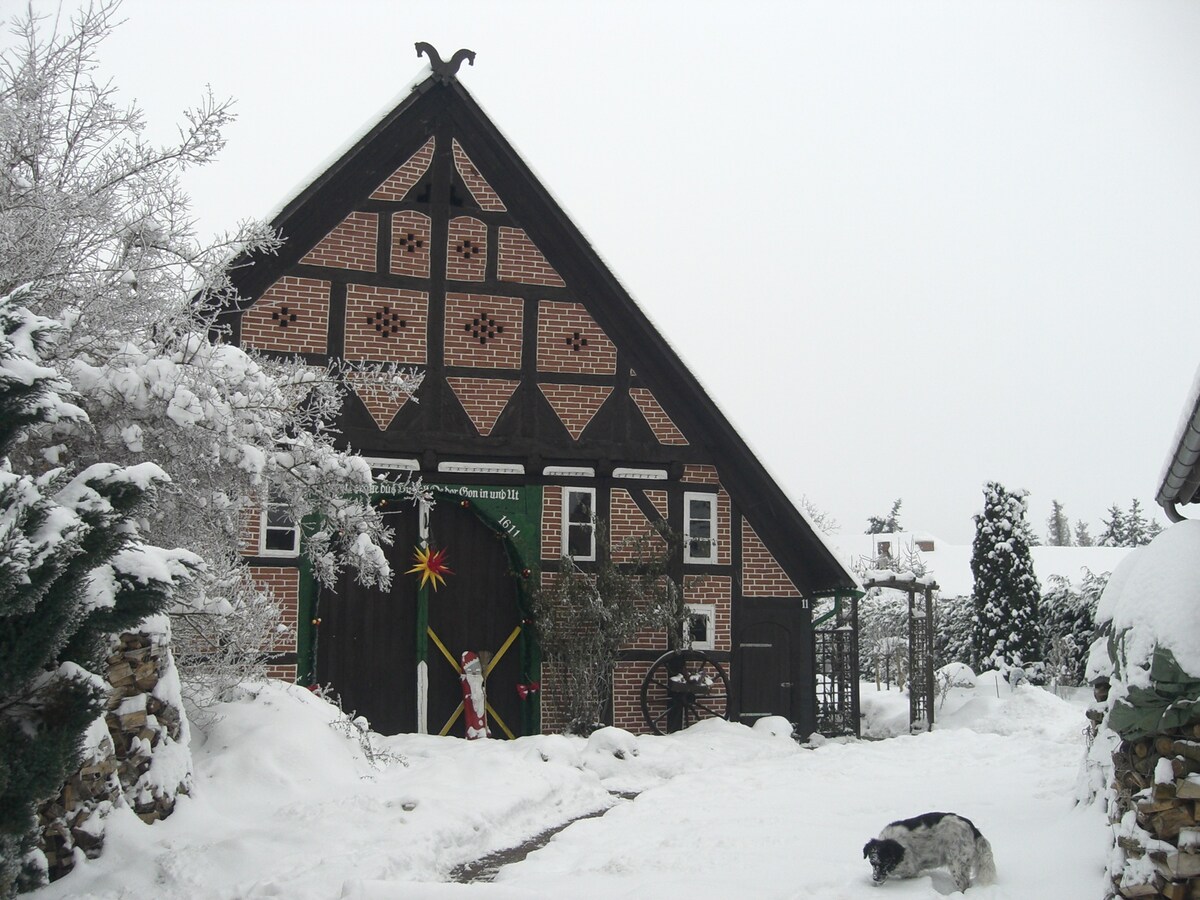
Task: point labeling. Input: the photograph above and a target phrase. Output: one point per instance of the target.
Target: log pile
(1157, 814)
(115, 773)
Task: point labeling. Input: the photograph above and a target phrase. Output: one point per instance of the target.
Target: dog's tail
(985, 865)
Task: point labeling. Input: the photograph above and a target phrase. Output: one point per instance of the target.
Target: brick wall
(627, 697)
(569, 340)
(466, 250)
(410, 244)
(484, 331)
(627, 526)
(397, 185)
(656, 417)
(284, 585)
(249, 528)
(575, 404)
(292, 316)
(700, 474)
(521, 261)
(483, 399)
(479, 188)
(552, 501)
(717, 590)
(351, 245)
(386, 324)
(658, 499)
(762, 576)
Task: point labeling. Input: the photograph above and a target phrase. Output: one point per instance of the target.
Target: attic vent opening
(468, 249)
(410, 242)
(424, 190)
(483, 328)
(576, 342)
(456, 199)
(386, 321)
(283, 316)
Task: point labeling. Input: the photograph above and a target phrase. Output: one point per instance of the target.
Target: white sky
(908, 247)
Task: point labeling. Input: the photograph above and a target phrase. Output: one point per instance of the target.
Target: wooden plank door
(366, 640)
(475, 609)
(772, 661)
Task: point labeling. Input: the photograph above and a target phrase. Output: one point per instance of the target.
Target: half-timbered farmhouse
(549, 400)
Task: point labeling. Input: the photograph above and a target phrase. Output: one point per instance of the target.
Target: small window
(699, 626)
(925, 546)
(578, 523)
(279, 535)
(700, 528)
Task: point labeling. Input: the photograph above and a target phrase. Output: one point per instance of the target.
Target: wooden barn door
(773, 662)
(475, 609)
(366, 639)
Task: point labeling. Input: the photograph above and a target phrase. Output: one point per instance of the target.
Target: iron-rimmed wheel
(681, 688)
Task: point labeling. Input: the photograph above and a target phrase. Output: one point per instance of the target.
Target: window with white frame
(578, 523)
(279, 535)
(699, 625)
(700, 528)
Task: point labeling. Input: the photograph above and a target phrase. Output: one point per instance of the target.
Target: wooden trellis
(920, 644)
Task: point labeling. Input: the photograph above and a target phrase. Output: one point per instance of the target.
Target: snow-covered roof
(1179, 481)
(950, 564)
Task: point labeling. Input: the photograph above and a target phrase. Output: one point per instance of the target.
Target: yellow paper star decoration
(431, 566)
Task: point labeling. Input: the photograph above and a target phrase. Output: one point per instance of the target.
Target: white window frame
(688, 555)
(567, 491)
(709, 611)
(264, 527)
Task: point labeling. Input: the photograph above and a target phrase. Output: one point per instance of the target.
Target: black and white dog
(909, 846)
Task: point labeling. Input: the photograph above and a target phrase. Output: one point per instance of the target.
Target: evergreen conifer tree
(1058, 526)
(889, 524)
(1083, 537)
(1136, 526)
(1006, 597)
(72, 571)
(1114, 534)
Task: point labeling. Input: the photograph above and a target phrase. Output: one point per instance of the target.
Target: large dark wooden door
(773, 661)
(366, 640)
(475, 609)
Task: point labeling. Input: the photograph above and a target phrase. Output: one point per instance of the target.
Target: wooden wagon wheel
(681, 688)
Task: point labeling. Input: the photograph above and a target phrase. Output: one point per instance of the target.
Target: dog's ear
(867, 848)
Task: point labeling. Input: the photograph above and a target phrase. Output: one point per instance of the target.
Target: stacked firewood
(1157, 816)
(138, 722)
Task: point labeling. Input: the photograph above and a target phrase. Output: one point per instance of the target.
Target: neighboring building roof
(950, 564)
(1180, 479)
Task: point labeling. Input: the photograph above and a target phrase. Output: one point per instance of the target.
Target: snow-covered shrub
(883, 635)
(953, 618)
(1069, 625)
(73, 570)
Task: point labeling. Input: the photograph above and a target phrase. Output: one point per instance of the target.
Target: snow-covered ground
(285, 806)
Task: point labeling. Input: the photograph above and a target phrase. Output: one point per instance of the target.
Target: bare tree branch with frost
(96, 228)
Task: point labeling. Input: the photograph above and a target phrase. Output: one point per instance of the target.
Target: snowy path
(795, 827)
(286, 807)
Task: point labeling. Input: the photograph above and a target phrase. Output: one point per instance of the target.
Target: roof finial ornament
(445, 72)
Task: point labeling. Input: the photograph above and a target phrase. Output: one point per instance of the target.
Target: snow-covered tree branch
(95, 229)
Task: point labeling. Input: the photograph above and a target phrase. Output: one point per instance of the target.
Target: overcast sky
(907, 247)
